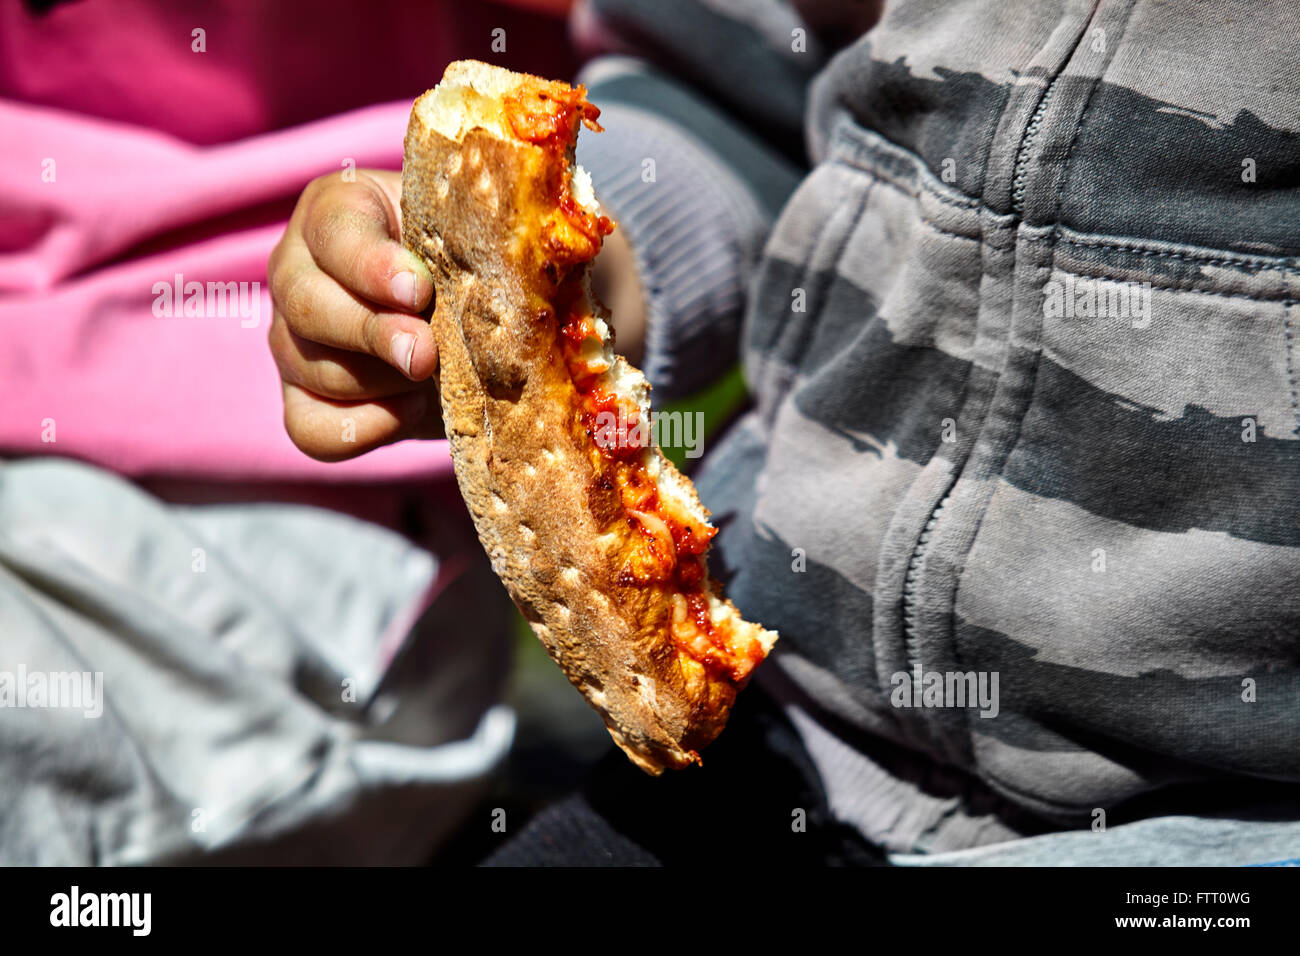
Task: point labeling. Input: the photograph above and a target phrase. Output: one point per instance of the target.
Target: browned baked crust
(554, 530)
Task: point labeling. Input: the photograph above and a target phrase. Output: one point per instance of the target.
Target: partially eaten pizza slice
(599, 539)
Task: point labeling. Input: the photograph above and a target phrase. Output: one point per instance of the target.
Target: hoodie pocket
(1134, 579)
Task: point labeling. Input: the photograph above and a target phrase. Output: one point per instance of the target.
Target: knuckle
(321, 190)
(373, 333)
(313, 188)
(277, 279)
(305, 442)
(282, 351)
(296, 294)
(274, 337)
(349, 231)
(293, 426)
(301, 430)
(325, 226)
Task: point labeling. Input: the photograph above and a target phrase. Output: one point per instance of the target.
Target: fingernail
(403, 288)
(403, 350)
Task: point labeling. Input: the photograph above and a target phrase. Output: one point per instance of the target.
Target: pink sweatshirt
(148, 150)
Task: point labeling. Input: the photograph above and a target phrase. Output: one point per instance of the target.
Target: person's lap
(755, 801)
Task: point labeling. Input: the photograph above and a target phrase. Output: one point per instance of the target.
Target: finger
(334, 431)
(315, 307)
(332, 372)
(353, 232)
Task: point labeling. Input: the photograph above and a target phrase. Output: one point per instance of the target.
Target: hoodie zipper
(1026, 146)
(909, 589)
(910, 598)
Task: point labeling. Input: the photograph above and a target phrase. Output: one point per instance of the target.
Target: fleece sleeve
(702, 108)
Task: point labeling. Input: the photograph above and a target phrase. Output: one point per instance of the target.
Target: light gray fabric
(690, 264)
(1250, 835)
(264, 696)
(663, 169)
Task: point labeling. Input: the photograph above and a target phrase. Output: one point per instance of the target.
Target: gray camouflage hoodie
(1020, 487)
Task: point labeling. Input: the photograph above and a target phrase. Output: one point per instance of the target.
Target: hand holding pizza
(356, 359)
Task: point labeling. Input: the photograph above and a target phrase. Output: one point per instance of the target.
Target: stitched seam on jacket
(1288, 346)
(1120, 243)
(1231, 262)
(1086, 275)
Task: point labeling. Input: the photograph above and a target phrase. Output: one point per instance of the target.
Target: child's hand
(354, 355)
